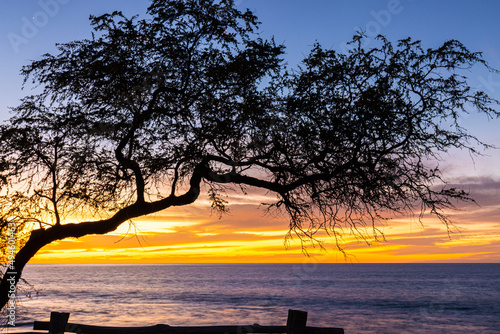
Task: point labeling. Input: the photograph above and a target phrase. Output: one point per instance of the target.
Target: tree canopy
(150, 112)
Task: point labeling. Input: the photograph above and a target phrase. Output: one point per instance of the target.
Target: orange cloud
(192, 234)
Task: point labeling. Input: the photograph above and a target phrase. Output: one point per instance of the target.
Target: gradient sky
(30, 28)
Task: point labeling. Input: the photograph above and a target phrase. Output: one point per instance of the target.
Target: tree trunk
(11, 277)
(40, 238)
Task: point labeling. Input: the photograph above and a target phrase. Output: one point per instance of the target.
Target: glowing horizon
(245, 235)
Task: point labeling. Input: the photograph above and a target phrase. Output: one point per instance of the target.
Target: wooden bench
(296, 324)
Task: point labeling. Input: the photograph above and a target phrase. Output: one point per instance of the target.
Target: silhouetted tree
(190, 99)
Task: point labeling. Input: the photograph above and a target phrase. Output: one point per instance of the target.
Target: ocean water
(361, 298)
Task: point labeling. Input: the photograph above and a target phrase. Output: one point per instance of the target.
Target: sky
(31, 28)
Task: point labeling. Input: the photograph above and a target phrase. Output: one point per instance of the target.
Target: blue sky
(30, 28)
(296, 23)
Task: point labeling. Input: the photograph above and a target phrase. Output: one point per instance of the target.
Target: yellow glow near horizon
(224, 241)
(192, 235)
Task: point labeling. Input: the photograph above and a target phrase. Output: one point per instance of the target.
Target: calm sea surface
(361, 298)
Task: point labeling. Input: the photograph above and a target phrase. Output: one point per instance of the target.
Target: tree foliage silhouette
(191, 100)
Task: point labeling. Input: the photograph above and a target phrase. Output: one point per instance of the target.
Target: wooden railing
(296, 324)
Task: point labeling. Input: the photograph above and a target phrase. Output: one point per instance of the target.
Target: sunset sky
(30, 28)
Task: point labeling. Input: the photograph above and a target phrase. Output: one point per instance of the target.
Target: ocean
(361, 298)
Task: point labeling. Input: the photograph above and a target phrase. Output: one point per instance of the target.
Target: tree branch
(41, 237)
